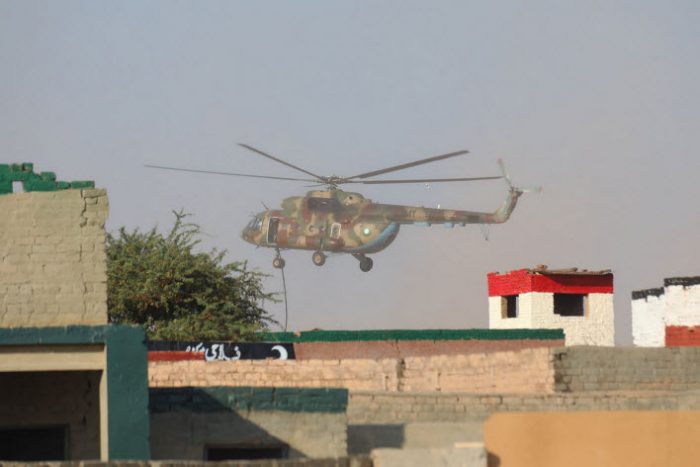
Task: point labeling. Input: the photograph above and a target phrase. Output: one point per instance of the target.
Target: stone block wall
(613, 369)
(390, 409)
(52, 258)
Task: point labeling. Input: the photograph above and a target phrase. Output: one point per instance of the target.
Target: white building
(579, 302)
(669, 315)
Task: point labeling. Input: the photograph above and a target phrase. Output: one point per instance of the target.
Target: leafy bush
(179, 294)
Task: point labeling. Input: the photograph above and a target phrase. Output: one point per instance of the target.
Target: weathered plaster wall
(30, 399)
(536, 311)
(52, 258)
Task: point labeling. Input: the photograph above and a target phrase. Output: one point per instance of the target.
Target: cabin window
(272, 230)
(321, 204)
(335, 230)
(510, 306)
(570, 304)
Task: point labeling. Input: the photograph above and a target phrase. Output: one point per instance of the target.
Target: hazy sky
(595, 100)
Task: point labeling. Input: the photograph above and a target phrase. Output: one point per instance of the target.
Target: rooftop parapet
(31, 181)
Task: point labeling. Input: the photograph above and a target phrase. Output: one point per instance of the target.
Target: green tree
(179, 294)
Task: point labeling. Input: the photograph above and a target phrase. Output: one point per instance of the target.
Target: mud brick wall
(619, 368)
(52, 258)
(378, 375)
(529, 370)
(416, 348)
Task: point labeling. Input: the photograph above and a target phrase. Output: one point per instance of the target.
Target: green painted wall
(410, 335)
(127, 378)
(32, 181)
(244, 399)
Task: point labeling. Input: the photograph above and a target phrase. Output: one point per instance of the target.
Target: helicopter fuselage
(345, 222)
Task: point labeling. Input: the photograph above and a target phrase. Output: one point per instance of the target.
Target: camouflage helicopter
(332, 220)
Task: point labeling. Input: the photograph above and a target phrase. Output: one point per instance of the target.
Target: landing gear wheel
(318, 258)
(278, 263)
(366, 264)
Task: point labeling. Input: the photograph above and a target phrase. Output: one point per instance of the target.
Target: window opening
(510, 306)
(33, 443)
(570, 304)
(272, 227)
(335, 230)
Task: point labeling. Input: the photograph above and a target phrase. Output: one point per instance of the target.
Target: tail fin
(503, 213)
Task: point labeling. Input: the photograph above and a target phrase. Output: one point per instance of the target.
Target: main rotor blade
(424, 180)
(264, 154)
(407, 165)
(228, 173)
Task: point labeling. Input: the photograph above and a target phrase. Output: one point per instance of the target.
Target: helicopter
(331, 220)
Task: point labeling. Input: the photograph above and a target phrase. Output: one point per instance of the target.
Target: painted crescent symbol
(282, 351)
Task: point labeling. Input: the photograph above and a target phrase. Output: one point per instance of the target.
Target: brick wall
(378, 375)
(682, 336)
(52, 258)
(416, 348)
(563, 369)
(619, 368)
(522, 371)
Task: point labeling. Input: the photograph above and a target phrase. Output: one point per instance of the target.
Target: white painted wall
(682, 305)
(537, 312)
(677, 306)
(648, 328)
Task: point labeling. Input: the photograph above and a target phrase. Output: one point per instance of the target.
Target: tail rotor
(506, 177)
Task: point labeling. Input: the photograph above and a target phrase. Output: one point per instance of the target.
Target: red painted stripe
(682, 336)
(522, 281)
(173, 356)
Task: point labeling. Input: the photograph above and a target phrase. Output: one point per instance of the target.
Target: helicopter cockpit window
(255, 224)
(321, 204)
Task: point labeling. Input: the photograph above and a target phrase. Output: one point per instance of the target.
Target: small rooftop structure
(669, 315)
(578, 301)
